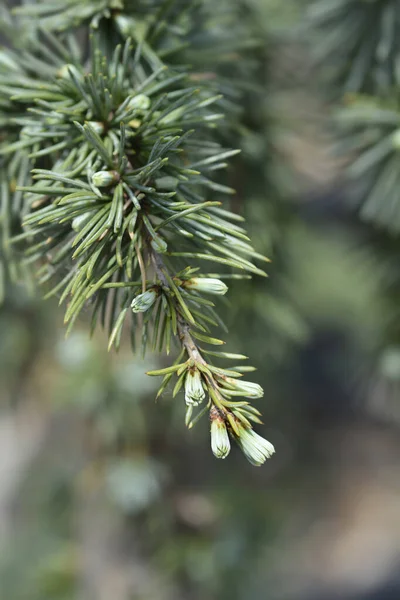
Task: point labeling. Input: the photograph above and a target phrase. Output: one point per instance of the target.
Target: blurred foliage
(356, 42)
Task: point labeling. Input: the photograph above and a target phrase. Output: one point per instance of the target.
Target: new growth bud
(140, 102)
(207, 285)
(220, 443)
(194, 392)
(254, 447)
(104, 178)
(249, 389)
(144, 301)
(159, 244)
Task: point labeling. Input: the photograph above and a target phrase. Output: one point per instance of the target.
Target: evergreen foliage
(111, 184)
(369, 134)
(114, 476)
(358, 53)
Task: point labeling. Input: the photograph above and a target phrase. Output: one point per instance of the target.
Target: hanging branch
(201, 378)
(121, 155)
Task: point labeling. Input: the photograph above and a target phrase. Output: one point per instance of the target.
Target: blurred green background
(103, 493)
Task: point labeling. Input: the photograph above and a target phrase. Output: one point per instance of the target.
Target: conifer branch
(111, 155)
(199, 376)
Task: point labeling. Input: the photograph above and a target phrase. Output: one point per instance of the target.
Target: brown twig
(185, 336)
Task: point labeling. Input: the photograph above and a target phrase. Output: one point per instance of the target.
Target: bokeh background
(103, 493)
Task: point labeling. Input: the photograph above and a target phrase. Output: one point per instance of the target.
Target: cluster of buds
(256, 449)
(122, 172)
(144, 301)
(229, 419)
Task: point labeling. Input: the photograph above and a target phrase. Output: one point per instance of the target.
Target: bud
(135, 123)
(207, 285)
(140, 102)
(144, 301)
(104, 178)
(159, 244)
(248, 389)
(194, 392)
(97, 126)
(254, 447)
(220, 443)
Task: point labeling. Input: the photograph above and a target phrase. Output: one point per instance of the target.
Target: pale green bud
(144, 301)
(220, 443)
(248, 389)
(194, 392)
(254, 447)
(159, 244)
(141, 102)
(207, 285)
(104, 178)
